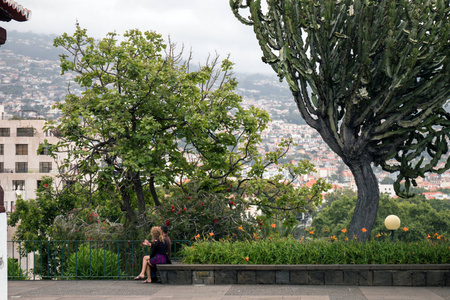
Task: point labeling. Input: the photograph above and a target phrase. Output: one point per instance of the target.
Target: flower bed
(289, 261)
(274, 251)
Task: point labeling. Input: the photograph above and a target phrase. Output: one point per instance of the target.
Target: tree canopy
(372, 77)
(146, 119)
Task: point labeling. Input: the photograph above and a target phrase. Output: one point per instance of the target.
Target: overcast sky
(206, 26)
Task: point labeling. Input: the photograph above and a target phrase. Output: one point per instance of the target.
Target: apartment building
(21, 166)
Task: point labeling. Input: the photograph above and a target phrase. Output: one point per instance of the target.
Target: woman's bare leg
(149, 277)
(145, 262)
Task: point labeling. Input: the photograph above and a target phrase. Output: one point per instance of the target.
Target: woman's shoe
(147, 281)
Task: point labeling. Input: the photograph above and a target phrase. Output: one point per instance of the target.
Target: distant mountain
(35, 46)
(30, 79)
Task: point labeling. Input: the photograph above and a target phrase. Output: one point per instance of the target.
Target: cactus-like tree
(372, 77)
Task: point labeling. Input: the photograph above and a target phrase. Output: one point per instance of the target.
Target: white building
(21, 166)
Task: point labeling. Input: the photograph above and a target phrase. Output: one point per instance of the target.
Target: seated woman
(158, 254)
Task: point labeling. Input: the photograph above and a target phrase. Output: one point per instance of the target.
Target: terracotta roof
(11, 10)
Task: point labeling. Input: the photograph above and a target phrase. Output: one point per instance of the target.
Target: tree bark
(137, 183)
(366, 208)
(153, 191)
(126, 205)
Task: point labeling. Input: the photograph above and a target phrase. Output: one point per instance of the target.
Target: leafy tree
(34, 218)
(378, 78)
(145, 120)
(67, 213)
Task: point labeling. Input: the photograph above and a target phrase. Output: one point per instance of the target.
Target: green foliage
(290, 251)
(91, 263)
(15, 272)
(149, 120)
(34, 218)
(417, 215)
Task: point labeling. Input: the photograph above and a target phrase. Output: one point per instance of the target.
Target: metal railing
(36, 260)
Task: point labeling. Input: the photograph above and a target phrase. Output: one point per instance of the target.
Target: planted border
(294, 252)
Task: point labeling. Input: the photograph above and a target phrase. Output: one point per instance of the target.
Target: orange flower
(344, 230)
(428, 236)
(333, 237)
(246, 258)
(378, 235)
(240, 227)
(405, 229)
(311, 232)
(346, 239)
(364, 229)
(439, 237)
(197, 236)
(211, 233)
(273, 225)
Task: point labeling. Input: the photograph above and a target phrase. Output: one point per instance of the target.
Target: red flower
(45, 185)
(173, 210)
(215, 221)
(184, 208)
(173, 207)
(167, 223)
(189, 198)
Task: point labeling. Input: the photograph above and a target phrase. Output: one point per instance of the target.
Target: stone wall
(356, 275)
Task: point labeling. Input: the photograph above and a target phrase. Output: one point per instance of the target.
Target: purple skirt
(159, 259)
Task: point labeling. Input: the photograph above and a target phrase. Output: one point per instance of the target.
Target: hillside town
(31, 85)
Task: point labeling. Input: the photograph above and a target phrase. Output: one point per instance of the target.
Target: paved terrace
(126, 289)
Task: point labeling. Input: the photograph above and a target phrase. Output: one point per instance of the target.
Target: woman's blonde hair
(157, 234)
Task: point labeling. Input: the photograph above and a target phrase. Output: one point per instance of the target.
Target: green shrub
(91, 263)
(291, 251)
(15, 271)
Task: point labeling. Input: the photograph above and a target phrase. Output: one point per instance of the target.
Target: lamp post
(392, 223)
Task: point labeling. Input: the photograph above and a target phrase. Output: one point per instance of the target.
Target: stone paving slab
(135, 290)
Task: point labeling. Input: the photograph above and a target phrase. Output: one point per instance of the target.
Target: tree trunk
(126, 205)
(153, 191)
(367, 204)
(137, 183)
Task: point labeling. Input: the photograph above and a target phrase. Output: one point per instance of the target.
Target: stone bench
(355, 275)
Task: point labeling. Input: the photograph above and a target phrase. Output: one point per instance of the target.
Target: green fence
(36, 260)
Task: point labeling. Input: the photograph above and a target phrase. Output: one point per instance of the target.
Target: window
(41, 183)
(21, 149)
(2, 167)
(18, 185)
(44, 151)
(26, 131)
(21, 167)
(4, 132)
(2, 149)
(45, 167)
